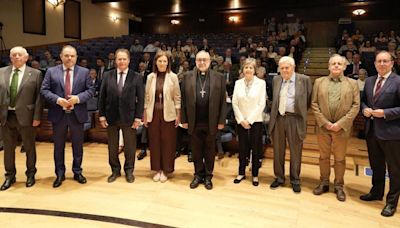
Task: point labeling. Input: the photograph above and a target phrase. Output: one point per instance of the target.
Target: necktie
(14, 88)
(283, 97)
(120, 83)
(67, 84)
(378, 87)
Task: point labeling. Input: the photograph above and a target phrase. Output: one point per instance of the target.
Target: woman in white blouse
(248, 102)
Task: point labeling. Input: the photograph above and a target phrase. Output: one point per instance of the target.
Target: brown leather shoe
(321, 189)
(340, 195)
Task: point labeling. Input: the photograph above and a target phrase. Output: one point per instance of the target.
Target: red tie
(378, 87)
(67, 87)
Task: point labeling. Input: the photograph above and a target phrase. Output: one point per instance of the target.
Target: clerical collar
(202, 74)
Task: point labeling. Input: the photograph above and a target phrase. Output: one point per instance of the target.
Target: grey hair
(203, 52)
(287, 59)
(19, 49)
(342, 58)
(364, 71)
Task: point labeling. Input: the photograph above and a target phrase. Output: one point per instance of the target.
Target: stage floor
(145, 203)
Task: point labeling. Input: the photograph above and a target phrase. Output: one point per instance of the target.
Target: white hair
(203, 52)
(342, 59)
(19, 49)
(287, 59)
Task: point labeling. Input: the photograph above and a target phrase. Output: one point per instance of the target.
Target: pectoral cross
(202, 92)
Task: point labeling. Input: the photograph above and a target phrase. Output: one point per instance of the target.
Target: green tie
(14, 88)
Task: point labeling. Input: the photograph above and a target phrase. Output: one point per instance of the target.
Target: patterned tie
(120, 83)
(67, 86)
(14, 88)
(378, 88)
(283, 97)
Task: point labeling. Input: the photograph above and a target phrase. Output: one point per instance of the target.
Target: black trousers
(10, 136)
(380, 153)
(129, 135)
(203, 147)
(250, 140)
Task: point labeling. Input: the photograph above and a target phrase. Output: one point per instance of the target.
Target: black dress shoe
(208, 184)
(388, 210)
(190, 156)
(142, 154)
(275, 184)
(80, 178)
(129, 177)
(255, 181)
(113, 177)
(238, 180)
(370, 197)
(7, 183)
(30, 181)
(57, 183)
(195, 182)
(296, 188)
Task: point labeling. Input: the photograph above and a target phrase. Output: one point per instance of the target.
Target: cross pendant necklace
(202, 85)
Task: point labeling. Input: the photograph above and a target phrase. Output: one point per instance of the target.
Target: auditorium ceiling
(176, 8)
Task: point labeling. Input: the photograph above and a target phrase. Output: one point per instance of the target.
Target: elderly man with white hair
(19, 113)
(335, 104)
(291, 100)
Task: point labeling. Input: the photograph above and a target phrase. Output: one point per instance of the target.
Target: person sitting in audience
(48, 60)
(147, 61)
(260, 70)
(229, 57)
(293, 53)
(36, 65)
(396, 65)
(271, 52)
(281, 53)
(381, 39)
(58, 61)
(357, 37)
(206, 47)
(95, 81)
(165, 49)
(349, 46)
(393, 37)
(152, 47)
(189, 46)
(230, 77)
(213, 55)
(349, 57)
(366, 47)
(178, 56)
(143, 71)
(220, 65)
(185, 67)
(83, 62)
(392, 46)
(242, 59)
(362, 75)
(136, 47)
(352, 70)
(238, 43)
(248, 102)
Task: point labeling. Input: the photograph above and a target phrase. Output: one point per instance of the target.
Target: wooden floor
(175, 204)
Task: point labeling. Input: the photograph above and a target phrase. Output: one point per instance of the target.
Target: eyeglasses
(202, 60)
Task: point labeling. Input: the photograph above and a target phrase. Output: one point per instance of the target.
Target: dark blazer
(388, 99)
(217, 100)
(29, 102)
(53, 88)
(127, 107)
(233, 59)
(302, 102)
(349, 69)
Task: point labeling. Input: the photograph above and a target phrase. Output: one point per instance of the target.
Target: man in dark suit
(353, 68)
(291, 100)
(121, 106)
(229, 57)
(381, 107)
(230, 77)
(67, 88)
(203, 113)
(21, 108)
(101, 68)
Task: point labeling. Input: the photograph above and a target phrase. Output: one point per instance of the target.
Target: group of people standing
(198, 103)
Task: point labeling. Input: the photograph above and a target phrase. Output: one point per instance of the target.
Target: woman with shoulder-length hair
(162, 115)
(248, 102)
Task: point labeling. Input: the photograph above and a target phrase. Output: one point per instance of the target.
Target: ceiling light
(359, 12)
(56, 3)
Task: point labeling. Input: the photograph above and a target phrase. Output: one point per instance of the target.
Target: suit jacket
(127, 107)
(349, 69)
(217, 100)
(249, 107)
(388, 99)
(230, 83)
(347, 109)
(53, 88)
(29, 102)
(171, 96)
(302, 102)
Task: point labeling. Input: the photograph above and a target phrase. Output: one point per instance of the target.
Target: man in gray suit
(21, 108)
(291, 99)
